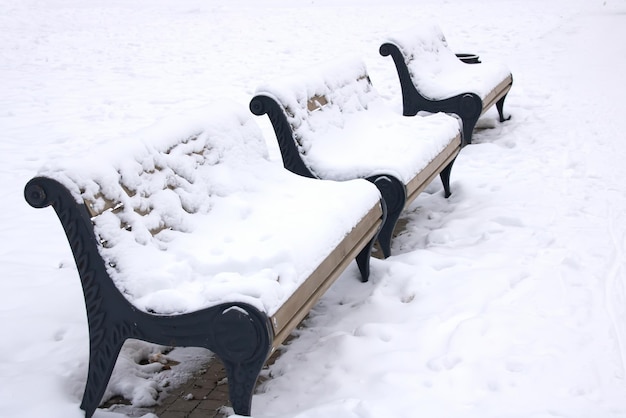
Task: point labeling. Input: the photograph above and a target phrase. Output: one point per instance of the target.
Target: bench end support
(394, 197)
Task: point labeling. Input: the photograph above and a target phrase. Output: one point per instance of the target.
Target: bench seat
(332, 124)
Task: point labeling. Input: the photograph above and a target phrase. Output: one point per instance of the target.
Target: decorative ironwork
(292, 160)
(238, 333)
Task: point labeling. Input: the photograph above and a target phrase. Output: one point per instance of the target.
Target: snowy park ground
(505, 300)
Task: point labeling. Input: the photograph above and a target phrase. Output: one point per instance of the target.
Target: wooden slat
(497, 93)
(316, 102)
(300, 303)
(432, 170)
(108, 205)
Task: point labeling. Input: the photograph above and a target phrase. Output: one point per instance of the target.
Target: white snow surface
(505, 300)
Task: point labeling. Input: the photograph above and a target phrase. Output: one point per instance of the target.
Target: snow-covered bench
(331, 123)
(434, 79)
(191, 236)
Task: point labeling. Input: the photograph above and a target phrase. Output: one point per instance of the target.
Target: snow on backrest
(425, 51)
(435, 69)
(323, 98)
(157, 184)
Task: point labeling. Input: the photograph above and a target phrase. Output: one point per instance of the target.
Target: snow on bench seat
(434, 79)
(210, 218)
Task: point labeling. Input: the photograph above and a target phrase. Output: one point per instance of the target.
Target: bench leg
(469, 107)
(102, 358)
(241, 382)
(363, 260)
(445, 178)
(243, 341)
(468, 129)
(364, 257)
(500, 107)
(394, 196)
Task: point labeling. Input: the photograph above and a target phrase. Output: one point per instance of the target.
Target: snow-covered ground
(506, 300)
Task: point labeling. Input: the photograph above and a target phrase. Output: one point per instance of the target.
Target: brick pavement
(202, 396)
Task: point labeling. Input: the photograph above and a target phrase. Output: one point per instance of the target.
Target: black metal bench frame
(239, 334)
(468, 106)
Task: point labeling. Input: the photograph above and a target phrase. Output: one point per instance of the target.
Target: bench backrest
(143, 196)
(435, 69)
(151, 187)
(429, 59)
(322, 100)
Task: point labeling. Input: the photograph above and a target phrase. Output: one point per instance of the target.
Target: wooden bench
(331, 123)
(435, 79)
(193, 237)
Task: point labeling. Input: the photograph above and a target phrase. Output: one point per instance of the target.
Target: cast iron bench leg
(363, 260)
(500, 107)
(102, 360)
(241, 382)
(243, 342)
(394, 196)
(445, 178)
